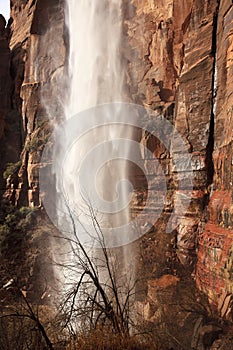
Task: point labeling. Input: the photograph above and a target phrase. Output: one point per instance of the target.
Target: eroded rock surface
(5, 94)
(38, 59)
(214, 267)
(33, 56)
(181, 67)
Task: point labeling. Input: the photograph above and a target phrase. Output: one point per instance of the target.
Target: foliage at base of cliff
(15, 238)
(24, 244)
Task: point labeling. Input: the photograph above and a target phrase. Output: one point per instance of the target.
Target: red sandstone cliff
(182, 66)
(183, 69)
(37, 68)
(31, 71)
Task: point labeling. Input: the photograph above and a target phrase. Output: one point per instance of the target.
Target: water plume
(94, 177)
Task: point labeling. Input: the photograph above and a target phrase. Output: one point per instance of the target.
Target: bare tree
(18, 318)
(98, 294)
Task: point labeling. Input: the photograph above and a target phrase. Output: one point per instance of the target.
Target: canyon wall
(180, 66)
(33, 50)
(214, 267)
(38, 56)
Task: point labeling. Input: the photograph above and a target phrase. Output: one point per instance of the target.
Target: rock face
(173, 74)
(31, 71)
(5, 92)
(214, 267)
(37, 65)
(181, 67)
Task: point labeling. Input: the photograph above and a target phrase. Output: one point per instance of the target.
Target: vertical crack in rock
(210, 145)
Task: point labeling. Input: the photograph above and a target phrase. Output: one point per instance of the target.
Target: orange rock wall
(38, 57)
(181, 66)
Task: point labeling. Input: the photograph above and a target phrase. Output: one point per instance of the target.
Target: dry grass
(101, 340)
(22, 333)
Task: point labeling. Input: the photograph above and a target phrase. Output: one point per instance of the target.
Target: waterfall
(95, 164)
(96, 76)
(96, 72)
(93, 148)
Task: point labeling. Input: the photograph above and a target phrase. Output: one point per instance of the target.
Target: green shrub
(42, 122)
(11, 169)
(14, 225)
(4, 231)
(36, 143)
(32, 145)
(11, 220)
(23, 211)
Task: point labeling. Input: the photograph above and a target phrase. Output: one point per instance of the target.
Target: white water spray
(97, 76)
(96, 72)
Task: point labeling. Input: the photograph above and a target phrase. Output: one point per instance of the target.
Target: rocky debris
(225, 306)
(159, 290)
(163, 282)
(178, 314)
(204, 335)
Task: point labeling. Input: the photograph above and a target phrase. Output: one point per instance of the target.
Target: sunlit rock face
(38, 55)
(214, 267)
(33, 60)
(180, 65)
(172, 71)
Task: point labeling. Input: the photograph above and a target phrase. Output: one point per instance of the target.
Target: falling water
(96, 72)
(97, 76)
(94, 151)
